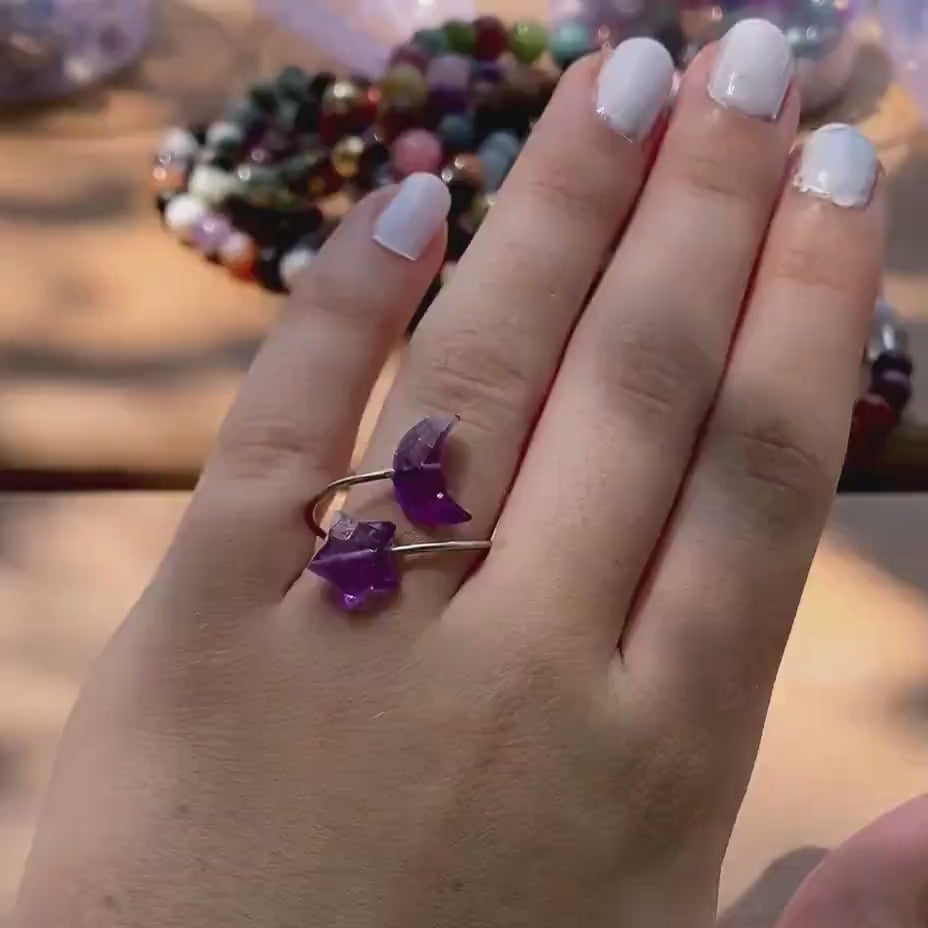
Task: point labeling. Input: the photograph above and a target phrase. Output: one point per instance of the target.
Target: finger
(643, 365)
(489, 345)
(716, 616)
(293, 426)
(878, 877)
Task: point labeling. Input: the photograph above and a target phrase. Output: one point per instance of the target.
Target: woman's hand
(560, 733)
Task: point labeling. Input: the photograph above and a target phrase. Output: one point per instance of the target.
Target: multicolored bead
(456, 132)
(238, 253)
(448, 72)
(212, 185)
(460, 36)
(431, 41)
(182, 214)
(211, 232)
(346, 156)
(569, 41)
(415, 150)
(497, 154)
(490, 38)
(292, 264)
(404, 84)
(412, 55)
(528, 41)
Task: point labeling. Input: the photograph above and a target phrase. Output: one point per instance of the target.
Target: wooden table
(847, 736)
(120, 350)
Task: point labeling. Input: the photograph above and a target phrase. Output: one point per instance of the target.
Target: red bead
(872, 421)
(491, 39)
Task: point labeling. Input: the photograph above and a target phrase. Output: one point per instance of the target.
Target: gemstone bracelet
(260, 189)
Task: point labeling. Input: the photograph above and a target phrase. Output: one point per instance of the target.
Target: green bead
(461, 36)
(433, 41)
(403, 82)
(292, 82)
(569, 41)
(527, 41)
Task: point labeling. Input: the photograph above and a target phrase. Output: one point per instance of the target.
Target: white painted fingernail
(839, 164)
(753, 69)
(634, 86)
(414, 216)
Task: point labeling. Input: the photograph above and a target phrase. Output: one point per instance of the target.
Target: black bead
(427, 300)
(375, 155)
(198, 131)
(297, 225)
(320, 83)
(263, 96)
(458, 240)
(267, 270)
(306, 117)
(162, 199)
(892, 360)
(219, 158)
(894, 386)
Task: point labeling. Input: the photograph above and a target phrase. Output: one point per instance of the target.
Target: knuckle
(261, 447)
(803, 264)
(657, 372)
(560, 184)
(716, 177)
(479, 379)
(782, 457)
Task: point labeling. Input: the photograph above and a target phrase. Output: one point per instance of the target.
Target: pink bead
(416, 150)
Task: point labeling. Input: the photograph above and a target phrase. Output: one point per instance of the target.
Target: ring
(359, 558)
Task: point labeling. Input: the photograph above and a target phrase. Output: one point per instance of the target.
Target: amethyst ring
(359, 559)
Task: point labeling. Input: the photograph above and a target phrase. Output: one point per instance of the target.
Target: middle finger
(489, 346)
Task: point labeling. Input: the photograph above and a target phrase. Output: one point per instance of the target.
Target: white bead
(212, 185)
(178, 142)
(292, 263)
(182, 214)
(223, 132)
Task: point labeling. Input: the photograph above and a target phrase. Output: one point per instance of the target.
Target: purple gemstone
(486, 72)
(448, 100)
(418, 476)
(448, 71)
(211, 233)
(358, 560)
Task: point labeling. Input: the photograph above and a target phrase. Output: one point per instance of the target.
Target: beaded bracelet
(260, 189)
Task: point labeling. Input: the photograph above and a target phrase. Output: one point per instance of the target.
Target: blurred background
(120, 351)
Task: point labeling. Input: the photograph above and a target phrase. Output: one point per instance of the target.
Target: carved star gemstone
(418, 476)
(357, 560)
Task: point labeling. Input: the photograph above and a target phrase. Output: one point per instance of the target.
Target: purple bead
(448, 100)
(418, 477)
(211, 233)
(357, 559)
(448, 71)
(488, 72)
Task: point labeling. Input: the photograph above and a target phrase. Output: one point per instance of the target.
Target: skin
(559, 733)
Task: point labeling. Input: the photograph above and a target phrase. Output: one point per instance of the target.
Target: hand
(560, 733)
(877, 879)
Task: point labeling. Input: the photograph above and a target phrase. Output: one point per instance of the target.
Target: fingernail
(752, 70)
(413, 216)
(839, 164)
(633, 87)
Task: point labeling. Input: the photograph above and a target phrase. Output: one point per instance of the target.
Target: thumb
(877, 879)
